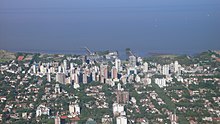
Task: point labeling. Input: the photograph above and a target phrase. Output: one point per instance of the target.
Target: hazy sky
(178, 26)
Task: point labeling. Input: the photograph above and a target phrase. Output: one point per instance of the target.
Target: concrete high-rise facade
(118, 109)
(93, 76)
(176, 67)
(145, 67)
(114, 73)
(74, 109)
(166, 70)
(103, 73)
(60, 77)
(34, 69)
(76, 78)
(121, 120)
(71, 66)
(122, 97)
(42, 69)
(119, 87)
(118, 64)
(132, 61)
(161, 82)
(59, 69)
(131, 71)
(85, 81)
(76, 81)
(48, 77)
(65, 64)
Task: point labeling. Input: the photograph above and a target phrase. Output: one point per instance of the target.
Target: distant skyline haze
(169, 26)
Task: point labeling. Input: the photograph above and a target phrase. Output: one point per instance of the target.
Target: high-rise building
(42, 69)
(172, 68)
(72, 72)
(65, 64)
(118, 109)
(85, 81)
(118, 64)
(60, 77)
(145, 67)
(121, 120)
(98, 78)
(59, 69)
(64, 70)
(71, 66)
(34, 68)
(119, 87)
(48, 77)
(114, 74)
(52, 70)
(131, 71)
(122, 97)
(74, 109)
(93, 76)
(160, 82)
(132, 61)
(159, 68)
(166, 70)
(176, 66)
(103, 73)
(76, 81)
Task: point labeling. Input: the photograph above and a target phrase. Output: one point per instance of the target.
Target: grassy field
(6, 56)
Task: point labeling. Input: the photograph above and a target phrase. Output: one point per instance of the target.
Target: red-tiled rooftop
(218, 59)
(20, 58)
(63, 117)
(216, 119)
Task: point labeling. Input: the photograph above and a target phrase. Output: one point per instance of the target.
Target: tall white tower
(118, 64)
(34, 68)
(166, 69)
(65, 63)
(59, 69)
(71, 66)
(121, 120)
(176, 66)
(65, 66)
(119, 87)
(145, 67)
(48, 77)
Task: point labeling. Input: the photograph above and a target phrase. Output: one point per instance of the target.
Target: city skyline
(63, 89)
(109, 61)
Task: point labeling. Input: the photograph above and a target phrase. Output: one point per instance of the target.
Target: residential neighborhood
(101, 88)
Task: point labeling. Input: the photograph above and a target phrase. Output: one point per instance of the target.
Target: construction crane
(88, 50)
(131, 53)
